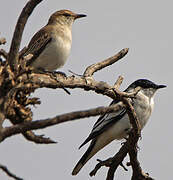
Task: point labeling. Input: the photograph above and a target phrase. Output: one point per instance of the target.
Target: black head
(144, 83)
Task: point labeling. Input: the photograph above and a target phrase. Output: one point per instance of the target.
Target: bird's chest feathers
(56, 52)
(60, 48)
(144, 107)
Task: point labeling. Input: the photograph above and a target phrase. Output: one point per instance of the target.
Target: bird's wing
(38, 43)
(104, 122)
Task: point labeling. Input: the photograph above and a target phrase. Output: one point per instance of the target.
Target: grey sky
(143, 26)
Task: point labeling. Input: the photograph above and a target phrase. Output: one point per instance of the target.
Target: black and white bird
(116, 125)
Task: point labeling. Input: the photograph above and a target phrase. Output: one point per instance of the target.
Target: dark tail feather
(83, 159)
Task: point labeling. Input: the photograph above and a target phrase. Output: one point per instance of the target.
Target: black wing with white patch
(104, 122)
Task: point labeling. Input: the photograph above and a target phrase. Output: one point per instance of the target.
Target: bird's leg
(80, 75)
(122, 165)
(52, 74)
(87, 79)
(60, 72)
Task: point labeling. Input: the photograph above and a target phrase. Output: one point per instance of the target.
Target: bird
(116, 125)
(51, 45)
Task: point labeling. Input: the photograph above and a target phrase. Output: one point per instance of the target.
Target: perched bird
(116, 125)
(51, 45)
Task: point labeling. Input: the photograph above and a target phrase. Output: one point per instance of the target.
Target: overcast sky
(143, 26)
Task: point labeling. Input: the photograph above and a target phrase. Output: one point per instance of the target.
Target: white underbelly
(53, 56)
(120, 129)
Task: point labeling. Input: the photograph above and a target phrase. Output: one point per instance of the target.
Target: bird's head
(64, 17)
(147, 87)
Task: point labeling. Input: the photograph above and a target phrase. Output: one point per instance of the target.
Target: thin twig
(17, 36)
(38, 139)
(5, 169)
(100, 65)
(118, 82)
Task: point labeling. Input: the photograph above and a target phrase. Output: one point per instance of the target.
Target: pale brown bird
(51, 45)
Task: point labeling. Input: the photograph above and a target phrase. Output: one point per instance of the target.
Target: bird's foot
(75, 73)
(60, 72)
(88, 79)
(52, 75)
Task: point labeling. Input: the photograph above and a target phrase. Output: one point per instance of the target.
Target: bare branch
(118, 82)
(38, 139)
(132, 143)
(113, 162)
(39, 124)
(116, 161)
(100, 65)
(17, 36)
(36, 80)
(123, 94)
(45, 80)
(5, 169)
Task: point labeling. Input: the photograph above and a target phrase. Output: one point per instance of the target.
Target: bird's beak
(80, 16)
(160, 86)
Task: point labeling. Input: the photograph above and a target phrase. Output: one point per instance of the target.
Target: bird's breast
(143, 108)
(61, 49)
(55, 53)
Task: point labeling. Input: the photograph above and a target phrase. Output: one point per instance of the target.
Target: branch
(113, 162)
(56, 80)
(116, 161)
(39, 124)
(118, 82)
(35, 81)
(5, 169)
(17, 36)
(132, 143)
(100, 65)
(38, 139)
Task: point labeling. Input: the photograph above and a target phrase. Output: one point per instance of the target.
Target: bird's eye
(66, 14)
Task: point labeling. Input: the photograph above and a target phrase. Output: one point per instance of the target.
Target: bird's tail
(88, 154)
